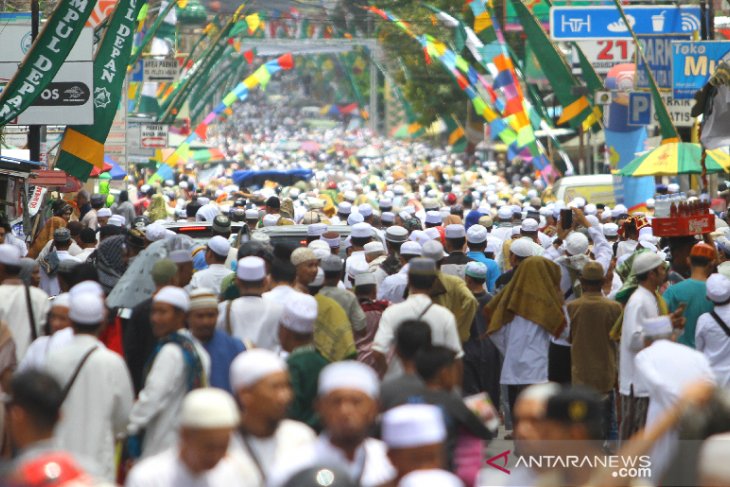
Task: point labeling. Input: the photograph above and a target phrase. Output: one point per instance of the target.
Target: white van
(594, 188)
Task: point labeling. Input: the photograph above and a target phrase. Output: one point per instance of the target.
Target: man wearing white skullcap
(178, 365)
(215, 256)
(361, 235)
(454, 263)
(250, 317)
(347, 403)
(266, 437)
(712, 335)
(87, 369)
(61, 333)
(208, 418)
(332, 267)
(306, 263)
(666, 368)
(415, 436)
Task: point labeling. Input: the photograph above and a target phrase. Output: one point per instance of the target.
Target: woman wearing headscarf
(111, 261)
(61, 215)
(522, 317)
(124, 207)
(157, 209)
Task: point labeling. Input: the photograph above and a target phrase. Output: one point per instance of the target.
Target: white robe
(254, 320)
(641, 306)
(14, 311)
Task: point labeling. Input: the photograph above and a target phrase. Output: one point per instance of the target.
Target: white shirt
(439, 318)
(666, 368)
(711, 340)
(167, 470)
(37, 353)
(157, 409)
(524, 345)
(85, 254)
(503, 233)
(370, 468)
(253, 319)
(96, 409)
(14, 311)
(394, 286)
(641, 306)
(210, 278)
(288, 438)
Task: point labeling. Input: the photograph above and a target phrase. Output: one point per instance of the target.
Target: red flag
(249, 55)
(202, 131)
(286, 61)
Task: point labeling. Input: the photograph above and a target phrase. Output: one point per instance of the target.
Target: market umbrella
(676, 158)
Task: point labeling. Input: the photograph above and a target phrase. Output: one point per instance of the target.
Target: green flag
(82, 147)
(49, 51)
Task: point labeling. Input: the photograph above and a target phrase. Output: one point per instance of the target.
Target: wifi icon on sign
(690, 23)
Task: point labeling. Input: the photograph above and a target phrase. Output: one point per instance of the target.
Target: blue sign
(658, 53)
(639, 109)
(580, 23)
(137, 73)
(15, 17)
(693, 63)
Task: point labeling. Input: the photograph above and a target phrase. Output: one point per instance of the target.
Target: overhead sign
(639, 111)
(693, 63)
(153, 136)
(679, 110)
(658, 53)
(605, 53)
(577, 23)
(160, 70)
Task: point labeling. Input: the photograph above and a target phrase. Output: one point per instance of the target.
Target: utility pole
(34, 132)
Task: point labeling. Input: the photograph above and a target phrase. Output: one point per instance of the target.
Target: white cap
(374, 247)
(432, 233)
(576, 244)
(86, 308)
(610, 230)
(516, 230)
(718, 288)
(180, 256)
(712, 462)
(320, 248)
(219, 245)
(344, 208)
(301, 255)
(590, 209)
(672, 187)
(404, 215)
(63, 300)
(9, 254)
(174, 296)
(660, 325)
(430, 478)
(413, 425)
(504, 213)
(251, 269)
(387, 217)
(523, 247)
(203, 298)
(410, 248)
(493, 245)
(365, 278)
(650, 203)
(117, 221)
(433, 217)
(355, 218)
(529, 225)
(209, 408)
(433, 250)
(252, 214)
(477, 270)
(103, 213)
(365, 209)
(455, 231)
(476, 234)
(254, 364)
(350, 375)
(271, 220)
(316, 229)
(361, 230)
(300, 313)
(619, 210)
(154, 232)
(645, 262)
(357, 267)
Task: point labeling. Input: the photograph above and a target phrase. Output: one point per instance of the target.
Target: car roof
(297, 230)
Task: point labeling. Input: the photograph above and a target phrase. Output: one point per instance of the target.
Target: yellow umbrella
(676, 158)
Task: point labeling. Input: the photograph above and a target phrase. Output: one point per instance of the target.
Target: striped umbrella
(676, 158)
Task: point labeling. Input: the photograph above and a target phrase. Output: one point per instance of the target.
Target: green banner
(151, 32)
(49, 51)
(82, 147)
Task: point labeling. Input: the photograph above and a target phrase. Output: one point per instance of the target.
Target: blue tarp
(116, 172)
(257, 178)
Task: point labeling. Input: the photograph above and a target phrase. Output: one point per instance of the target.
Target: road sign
(578, 23)
(693, 63)
(156, 70)
(639, 112)
(679, 110)
(153, 136)
(605, 53)
(658, 53)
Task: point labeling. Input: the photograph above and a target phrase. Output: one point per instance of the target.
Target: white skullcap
(357, 267)
(610, 230)
(103, 213)
(660, 325)
(154, 232)
(344, 208)
(361, 230)
(529, 225)
(374, 247)
(579, 202)
(252, 214)
(619, 210)
(387, 217)
(209, 408)
(316, 229)
(355, 218)
(219, 245)
(350, 375)
(183, 185)
(477, 270)
(433, 250)
(718, 288)
(504, 213)
(9, 254)
(251, 269)
(385, 203)
(301, 255)
(174, 296)
(254, 364)
(207, 212)
(320, 248)
(86, 308)
(576, 244)
(493, 244)
(432, 233)
(271, 220)
(365, 279)
(672, 187)
(365, 209)
(590, 209)
(180, 256)
(87, 287)
(522, 247)
(476, 234)
(63, 300)
(413, 425)
(117, 221)
(455, 231)
(645, 262)
(300, 313)
(410, 248)
(203, 298)
(433, 217)
(404, 215)
(712, 462)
